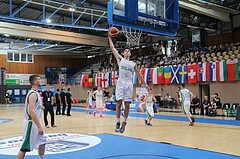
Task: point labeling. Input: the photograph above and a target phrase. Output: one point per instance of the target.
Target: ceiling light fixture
(72, 9)
(48, 47)
(30, 45)
(7, 35)
(48, 21)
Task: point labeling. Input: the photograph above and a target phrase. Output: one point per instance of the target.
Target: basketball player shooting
(124, 86)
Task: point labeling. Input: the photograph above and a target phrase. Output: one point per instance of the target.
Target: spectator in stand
(168, 99)
(205, 105)
(216, 104)
(194, 104)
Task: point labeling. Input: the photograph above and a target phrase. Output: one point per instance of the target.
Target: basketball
(113, 31)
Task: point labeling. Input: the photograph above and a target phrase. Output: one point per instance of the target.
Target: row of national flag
(202, 72)
(99, 79)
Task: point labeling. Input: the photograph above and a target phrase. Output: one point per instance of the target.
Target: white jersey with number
(126, 68)
(99, 98)
(186, 95)
(149, 105)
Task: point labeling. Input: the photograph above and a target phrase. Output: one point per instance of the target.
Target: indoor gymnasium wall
(42, 61)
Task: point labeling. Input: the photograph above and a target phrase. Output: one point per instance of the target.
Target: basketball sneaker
(122, 129)
(149, 124)
(146, 123)
(191, 124)
(193, 120)
(117, 129)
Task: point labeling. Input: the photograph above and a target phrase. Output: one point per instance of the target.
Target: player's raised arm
(112, 47)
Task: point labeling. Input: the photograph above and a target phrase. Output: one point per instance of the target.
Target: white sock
(125, 120)
(118, 120)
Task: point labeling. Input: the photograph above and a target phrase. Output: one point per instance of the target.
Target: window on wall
(30, 58)
(19, 57)
(10, 56)
(23, 57)
(16, 57)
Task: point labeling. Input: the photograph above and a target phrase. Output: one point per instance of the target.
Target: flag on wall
(175, 70)
(90, 82)
(232, 71)
(110, 78)
(146, 75)
(160, 75)
(151, 75)
(167, 75)
(105, 80)
(182, 74)
(154, 76)
(142, 72)
(114, 77)
(222, 71)
(99, 79)
(213, 71)
(95, 80)
(135, 78)
(84, 80)
(192, 73)
(203, 72)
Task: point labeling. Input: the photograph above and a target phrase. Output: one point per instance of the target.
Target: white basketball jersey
(38, 105)
(99, 95)
(186, 96)
(149, 101)
(126, 69)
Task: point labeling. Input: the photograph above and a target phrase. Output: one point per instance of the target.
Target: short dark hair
(58, 90)
(125, 49)
(183, 85)
(216, 94)
(32, 78)
(68, 89)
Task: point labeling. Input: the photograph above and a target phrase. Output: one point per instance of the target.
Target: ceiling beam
(202, 9)
(50, 34)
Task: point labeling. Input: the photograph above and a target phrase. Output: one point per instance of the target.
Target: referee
(48, 104)
(69, 101)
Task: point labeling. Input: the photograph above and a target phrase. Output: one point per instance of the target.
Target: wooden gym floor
(220, 138)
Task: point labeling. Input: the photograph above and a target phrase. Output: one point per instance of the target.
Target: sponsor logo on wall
(21, 79)
(56, 143)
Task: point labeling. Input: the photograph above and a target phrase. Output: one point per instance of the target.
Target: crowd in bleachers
(158, 57)
(182, 56)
